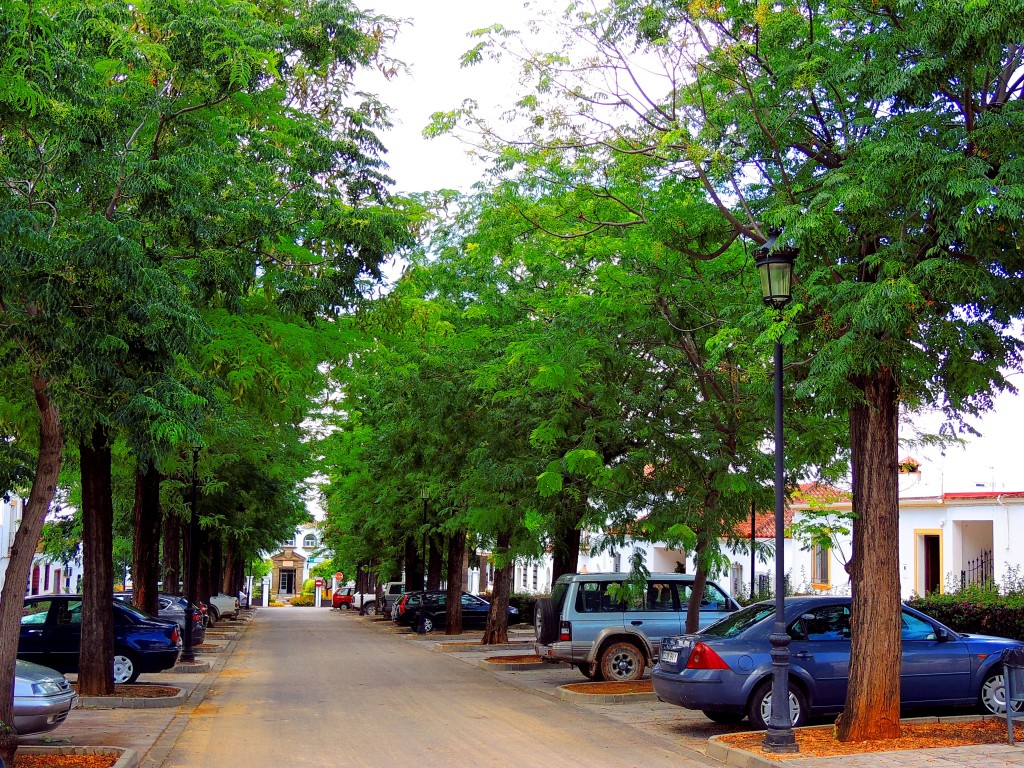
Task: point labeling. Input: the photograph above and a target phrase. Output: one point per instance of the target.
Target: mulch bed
(821, 742)
(63, 761)
(531, 658)
(140, 691)
(636, 686)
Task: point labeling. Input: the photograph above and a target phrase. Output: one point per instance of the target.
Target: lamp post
(775, 266)
(421, 619)
(188, 653)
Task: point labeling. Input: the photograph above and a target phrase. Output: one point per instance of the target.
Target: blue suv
(586, 622)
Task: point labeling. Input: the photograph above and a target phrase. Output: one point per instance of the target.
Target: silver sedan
(42, 698)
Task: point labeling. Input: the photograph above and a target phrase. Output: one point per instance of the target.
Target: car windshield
(740, 621)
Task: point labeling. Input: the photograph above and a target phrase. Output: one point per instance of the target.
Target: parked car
(342, 598)
(51, 635)
(366, 602)
(221, 606)
(725, 669)
(588, 623)
(474, 610)
(42, 698)
(172, 608)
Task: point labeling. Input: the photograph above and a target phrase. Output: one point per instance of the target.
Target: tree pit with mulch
(63, 761)
(602, 688)
(822, 742)
(140, 691)
(531, 658)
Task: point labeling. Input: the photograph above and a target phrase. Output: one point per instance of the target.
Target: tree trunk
(96, 659)
(171, 555)
(414, 566)
(453, 606)
(435, 563)
(146, 519)
(700, 578)
(565, 548)
(26, 539)
(497, 617)
(873, 698)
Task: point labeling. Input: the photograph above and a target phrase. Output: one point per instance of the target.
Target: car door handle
(803, 655)
(33, 631)
(636, 623)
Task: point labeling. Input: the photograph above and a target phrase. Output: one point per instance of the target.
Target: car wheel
(370, 609)
(622, 662)
(545, 622)
(213, 615)
(724, 718)
(428, 624)
(992, 697)
(126, 669)
(760, 708)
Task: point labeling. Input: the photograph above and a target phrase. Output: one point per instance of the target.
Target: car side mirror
(941, 634)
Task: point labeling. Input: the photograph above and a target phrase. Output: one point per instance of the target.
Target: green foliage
(524, 602)
(309, 587)
(303, 601)
(977, 610)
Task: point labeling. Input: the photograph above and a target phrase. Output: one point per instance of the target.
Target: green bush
(977, 609)
(303, 600)
(524, 602)
(308, 586)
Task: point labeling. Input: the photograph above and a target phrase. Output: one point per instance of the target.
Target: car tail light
(565, 630)
(702, 657)
(175, 637)
(196, 617)
(202, 607)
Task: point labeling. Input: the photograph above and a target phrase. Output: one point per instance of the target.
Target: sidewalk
(147, 731)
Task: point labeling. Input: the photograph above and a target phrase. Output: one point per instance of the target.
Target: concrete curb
(603, 698)
(126, 758)
(513, 666)
(471, 647)
(129, 702)
(192, 668)
(213, 648)
(745, 759)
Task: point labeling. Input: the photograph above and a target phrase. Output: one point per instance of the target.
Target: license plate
(669, 657)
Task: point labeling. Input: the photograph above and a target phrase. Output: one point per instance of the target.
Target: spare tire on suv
(545, 622)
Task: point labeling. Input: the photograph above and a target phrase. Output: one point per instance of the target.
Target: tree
(882, 142)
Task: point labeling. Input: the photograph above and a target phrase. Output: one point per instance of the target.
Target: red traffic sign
(319, 582)
(339, 576)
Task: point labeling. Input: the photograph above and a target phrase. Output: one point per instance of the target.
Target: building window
(309, 540)
(536, 573)
(524, 577)
(616, 563)
(819, 565)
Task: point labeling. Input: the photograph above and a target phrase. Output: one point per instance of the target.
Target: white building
(46, 577)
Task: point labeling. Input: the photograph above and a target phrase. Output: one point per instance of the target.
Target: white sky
(432, 45)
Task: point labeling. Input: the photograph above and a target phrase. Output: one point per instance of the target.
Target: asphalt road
(307, 687)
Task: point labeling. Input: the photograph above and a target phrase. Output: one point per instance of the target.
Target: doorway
(287, 583)
(928, 564)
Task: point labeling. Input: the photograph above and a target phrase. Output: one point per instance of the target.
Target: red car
(342, 598)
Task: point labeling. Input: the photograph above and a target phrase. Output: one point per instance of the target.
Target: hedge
(303, 600)
(976, 611)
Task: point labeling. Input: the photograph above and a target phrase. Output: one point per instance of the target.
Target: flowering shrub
(978, 609)
(303, 600)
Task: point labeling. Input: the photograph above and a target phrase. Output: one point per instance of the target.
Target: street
(325, 688)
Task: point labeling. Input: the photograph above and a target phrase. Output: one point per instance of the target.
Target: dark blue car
(474, 610)
(51, 635)
(725, 669)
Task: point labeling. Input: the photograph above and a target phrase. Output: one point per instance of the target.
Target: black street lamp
(421, 619)
(775, 266)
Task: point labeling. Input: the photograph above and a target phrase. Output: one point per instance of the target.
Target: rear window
(558, 595)
(740, 621)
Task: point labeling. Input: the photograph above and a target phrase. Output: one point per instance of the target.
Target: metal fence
(978, 571)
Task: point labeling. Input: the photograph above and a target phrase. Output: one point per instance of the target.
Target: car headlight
(46, 688)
